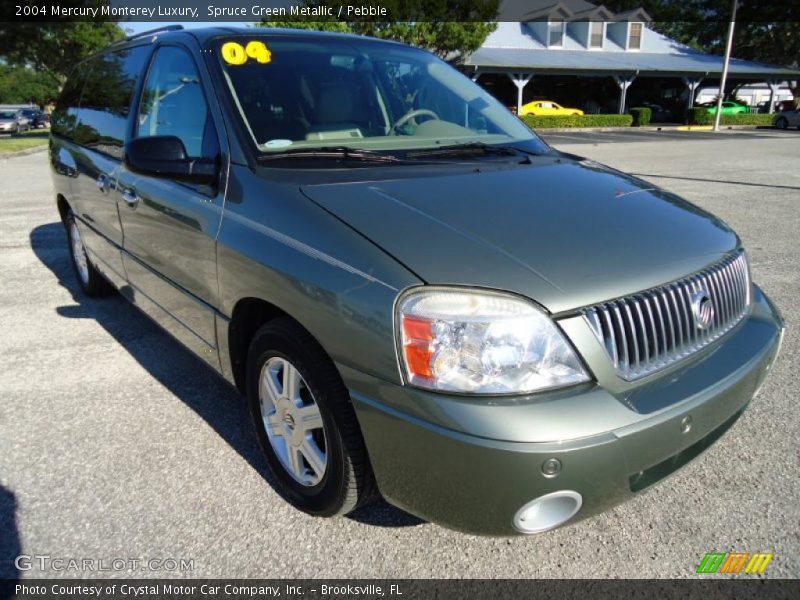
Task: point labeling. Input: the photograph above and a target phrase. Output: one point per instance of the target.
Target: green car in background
(728, 108)
(419, 298)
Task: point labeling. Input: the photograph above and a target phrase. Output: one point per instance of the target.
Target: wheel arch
(248, 316)
(63, 207)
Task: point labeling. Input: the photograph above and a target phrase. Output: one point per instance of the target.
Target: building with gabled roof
(549, 41)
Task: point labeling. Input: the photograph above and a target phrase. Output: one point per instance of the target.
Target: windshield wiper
(472, 148)
(345, 152)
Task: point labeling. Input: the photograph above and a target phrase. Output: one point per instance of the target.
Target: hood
(562, 232)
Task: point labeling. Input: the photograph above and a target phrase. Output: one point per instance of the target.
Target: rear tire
(305, 422)
(91, 281)
(782, 123)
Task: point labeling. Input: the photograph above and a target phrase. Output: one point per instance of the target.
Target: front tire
(91, 281)
(782, 123)
(305, 422)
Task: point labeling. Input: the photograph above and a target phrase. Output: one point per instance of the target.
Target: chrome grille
(648, 331)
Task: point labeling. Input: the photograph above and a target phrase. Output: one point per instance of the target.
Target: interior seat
(337, 108)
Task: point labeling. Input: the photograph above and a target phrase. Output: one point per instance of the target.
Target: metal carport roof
(519, 47)
(581, 62)
(577, 62)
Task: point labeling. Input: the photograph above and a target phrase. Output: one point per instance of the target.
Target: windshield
(8, 115)
(303, 92)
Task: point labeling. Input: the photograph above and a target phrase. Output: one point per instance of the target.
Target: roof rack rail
(152, 31)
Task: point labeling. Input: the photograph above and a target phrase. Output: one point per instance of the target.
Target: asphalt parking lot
(115, 442)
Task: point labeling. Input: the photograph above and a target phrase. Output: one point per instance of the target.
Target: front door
(170, 227)
(99, 134)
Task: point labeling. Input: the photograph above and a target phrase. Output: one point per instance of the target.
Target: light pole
(725, 66)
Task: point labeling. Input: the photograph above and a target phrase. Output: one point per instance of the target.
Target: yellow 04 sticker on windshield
(234, 53)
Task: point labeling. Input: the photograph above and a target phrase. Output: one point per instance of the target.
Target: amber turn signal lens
(417, 338)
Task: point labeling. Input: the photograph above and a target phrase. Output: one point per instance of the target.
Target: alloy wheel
(79, 253)
(292, 421)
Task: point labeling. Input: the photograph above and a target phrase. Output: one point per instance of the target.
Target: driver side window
(173, 103)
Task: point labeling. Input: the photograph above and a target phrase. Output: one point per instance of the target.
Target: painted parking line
(646, 136)
(575, 137)
(671, 134)
(615, 136)
(588, 137)
(631, 136)
(676, 135)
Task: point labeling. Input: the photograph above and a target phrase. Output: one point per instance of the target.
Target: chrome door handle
(130, 197)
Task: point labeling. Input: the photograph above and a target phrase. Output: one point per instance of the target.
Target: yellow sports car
(547, 107)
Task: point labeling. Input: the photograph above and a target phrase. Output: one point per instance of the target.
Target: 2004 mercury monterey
(417, 295)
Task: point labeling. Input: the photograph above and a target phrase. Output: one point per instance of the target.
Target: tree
(335, 26)
(765, 31)
(451, 40)
(450, 30)
(54, 47)
(21, 85)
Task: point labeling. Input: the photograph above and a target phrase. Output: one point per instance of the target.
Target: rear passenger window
(105, 103)
(173, 103)
(65, 116)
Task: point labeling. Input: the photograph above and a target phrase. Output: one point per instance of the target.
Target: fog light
(548, 511)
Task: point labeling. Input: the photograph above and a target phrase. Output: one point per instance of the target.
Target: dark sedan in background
(38, 119)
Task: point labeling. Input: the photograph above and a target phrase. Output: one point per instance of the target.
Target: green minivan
(419, 298)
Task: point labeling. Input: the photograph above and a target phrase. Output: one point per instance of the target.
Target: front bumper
(470, 464)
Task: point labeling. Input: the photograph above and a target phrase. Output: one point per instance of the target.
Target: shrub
(641, 115)
(548, 122)
(747, 119)
(701, 116)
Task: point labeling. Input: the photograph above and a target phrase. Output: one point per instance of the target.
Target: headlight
(479, 342)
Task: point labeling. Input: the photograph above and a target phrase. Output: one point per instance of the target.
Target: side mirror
(165, 156)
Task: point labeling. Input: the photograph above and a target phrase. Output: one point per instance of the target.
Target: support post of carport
(692, 83)
(624, 82)
(774, 86)
(520, 81)
(475, 75)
